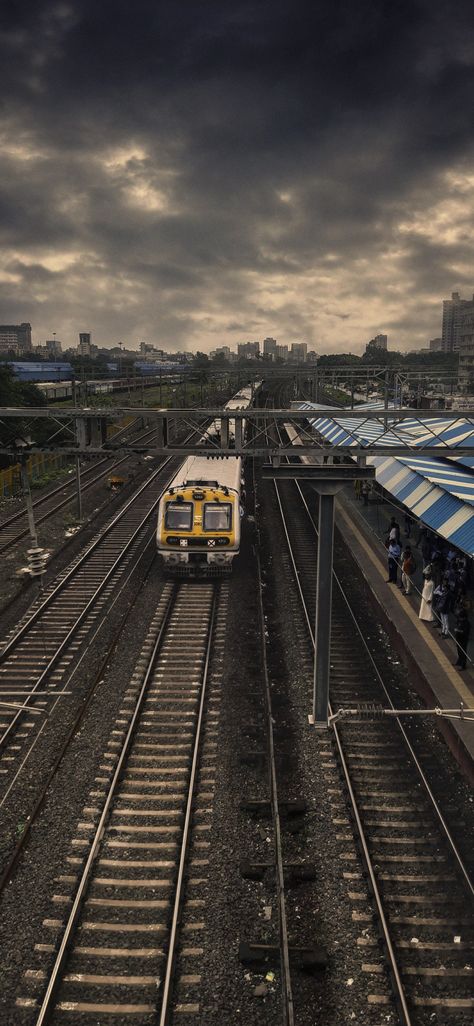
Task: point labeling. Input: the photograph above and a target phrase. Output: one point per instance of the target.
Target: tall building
(466, 347)
(299, 352)
(282, 353)
(16, 337)
(435, 345)
(269, 347)
(248, 350)
(453, 310)
(53, 346)
(84, 347)
(8, 342)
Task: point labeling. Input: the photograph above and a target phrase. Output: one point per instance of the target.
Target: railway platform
(429, 658)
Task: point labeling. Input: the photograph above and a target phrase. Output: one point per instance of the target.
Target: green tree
(18, 393)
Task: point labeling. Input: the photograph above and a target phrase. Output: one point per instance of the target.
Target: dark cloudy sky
(197, 173)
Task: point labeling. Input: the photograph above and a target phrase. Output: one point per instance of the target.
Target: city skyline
(200, 176)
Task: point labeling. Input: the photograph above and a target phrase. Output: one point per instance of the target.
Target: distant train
(55, 390)
(199, 516)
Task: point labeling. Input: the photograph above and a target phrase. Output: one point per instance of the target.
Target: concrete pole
(78, 488)
(25, 484)
(323, 611)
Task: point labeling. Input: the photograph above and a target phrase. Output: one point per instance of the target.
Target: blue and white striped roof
(436, 499)
(356, 430)
(439, 491)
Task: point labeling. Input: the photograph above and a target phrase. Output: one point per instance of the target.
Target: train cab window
(217, 516)
(179, 516)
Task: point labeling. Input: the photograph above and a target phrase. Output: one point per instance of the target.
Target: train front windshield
(179, 516)
(217, 516)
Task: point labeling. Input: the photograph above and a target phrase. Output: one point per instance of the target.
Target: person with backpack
(408, 569)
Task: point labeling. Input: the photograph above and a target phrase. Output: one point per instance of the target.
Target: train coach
(199, 515)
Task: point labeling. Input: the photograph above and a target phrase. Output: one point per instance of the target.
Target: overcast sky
(198, 173)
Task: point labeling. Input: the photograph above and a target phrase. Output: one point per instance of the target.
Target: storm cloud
(198, 174)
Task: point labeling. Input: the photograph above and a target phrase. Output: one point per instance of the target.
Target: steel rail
(171, 957)
(84, 612)
(441, 821)
(11, 644)
(65, 484)
(55, 974)
(49, 495)
(32, 816)
(85, 486)
(393, 965)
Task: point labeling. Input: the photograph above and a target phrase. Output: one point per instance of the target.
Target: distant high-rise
(299, 352)
(248, 350)
(453, 310)
(435, 345)
(282, 353)
(466, 346)
(84, 347)
(270, 347)
(15, 337)
(53, 346)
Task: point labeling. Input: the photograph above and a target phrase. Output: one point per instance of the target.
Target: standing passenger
(394, 531)
(394, 551)
(426, 607)
(461, 633)
(408, 569)
(444, 606)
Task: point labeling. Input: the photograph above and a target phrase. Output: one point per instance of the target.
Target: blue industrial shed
(41, 371)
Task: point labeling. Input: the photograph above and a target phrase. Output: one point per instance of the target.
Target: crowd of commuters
(445, 580)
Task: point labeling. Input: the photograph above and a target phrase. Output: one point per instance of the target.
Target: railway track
(14, 528)
(413, 898)
(37, 655)
(128, 920)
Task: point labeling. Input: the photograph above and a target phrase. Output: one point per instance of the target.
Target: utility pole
(25, 484)
(78, 488)
(35, 555)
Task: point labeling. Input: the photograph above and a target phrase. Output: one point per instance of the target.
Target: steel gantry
(251, 432)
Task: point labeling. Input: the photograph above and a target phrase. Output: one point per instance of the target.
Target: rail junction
(221, 859)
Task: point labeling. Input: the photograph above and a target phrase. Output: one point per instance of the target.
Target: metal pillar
(323, 611)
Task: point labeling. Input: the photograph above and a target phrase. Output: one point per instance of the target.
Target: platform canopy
(439, 491)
